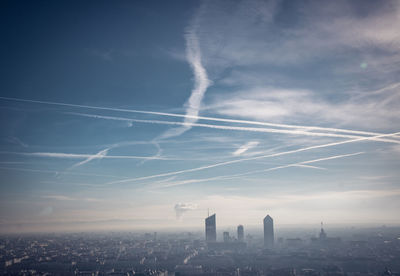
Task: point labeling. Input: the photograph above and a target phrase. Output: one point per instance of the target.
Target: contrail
(201, 83)
(81, 156)
(309, 166)
(225, 177)
(255, 158)
(303, 163)
(251, 129)
(243, 148)
(311, 128)
(98, 155)
(57, 172)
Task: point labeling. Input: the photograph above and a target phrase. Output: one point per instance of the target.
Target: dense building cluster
(361, 251)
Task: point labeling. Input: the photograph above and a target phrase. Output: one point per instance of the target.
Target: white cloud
(247, 33)
(201, 83)
(297, 106)
(181, 208)
(243, 148)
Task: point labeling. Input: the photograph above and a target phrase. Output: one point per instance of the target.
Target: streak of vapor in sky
(251, 129)
(254, 158)
(311, 128)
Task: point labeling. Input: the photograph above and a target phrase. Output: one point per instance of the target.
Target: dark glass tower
(240, 233)
(211, 229)
(268, 232)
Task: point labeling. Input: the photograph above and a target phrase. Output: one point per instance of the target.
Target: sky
(133, 115)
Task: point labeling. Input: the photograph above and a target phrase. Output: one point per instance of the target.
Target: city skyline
(141, 116)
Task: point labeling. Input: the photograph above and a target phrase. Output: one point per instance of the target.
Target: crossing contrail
(86, 156)
(239, 128)
(310, 128)
(303, 163)
(232, 176)
(254, 158)
(100, 155)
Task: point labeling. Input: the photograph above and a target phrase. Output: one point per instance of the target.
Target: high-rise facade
(240, 233)
(226, 237)
(268, 232)
(211, 229)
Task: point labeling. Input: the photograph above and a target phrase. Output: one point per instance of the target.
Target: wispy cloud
(348, 54)
(243, 148)
(201, 83)
(291, 105)
(16, 140)
(181, 208)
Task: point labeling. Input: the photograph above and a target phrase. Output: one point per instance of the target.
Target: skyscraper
(226, 237)
(211, 229)
(322, 234)
(240, 233)
(268, 232)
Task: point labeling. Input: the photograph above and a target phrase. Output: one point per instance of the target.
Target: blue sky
(142, 115)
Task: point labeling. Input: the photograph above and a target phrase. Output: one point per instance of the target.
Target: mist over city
(257, 137)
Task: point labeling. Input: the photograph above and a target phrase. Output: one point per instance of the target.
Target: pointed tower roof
(268, 217)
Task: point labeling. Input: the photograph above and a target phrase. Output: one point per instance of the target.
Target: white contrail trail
(57, 172)
(311, 128)
(232, 176)
(255, 158)
(309, 166)
(243, 148)
(201, 83)
(81, 156)
(303, 163)
(251, 129)
(98, 155)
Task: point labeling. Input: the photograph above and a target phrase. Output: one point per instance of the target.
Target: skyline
(144, 115)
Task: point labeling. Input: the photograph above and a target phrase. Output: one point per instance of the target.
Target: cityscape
(200, 137)
(361, 251)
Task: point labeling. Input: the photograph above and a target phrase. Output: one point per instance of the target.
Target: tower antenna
(208, 212)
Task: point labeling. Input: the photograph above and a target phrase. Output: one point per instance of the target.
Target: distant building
(294, 242)
(211, 229)
(240, 233)
(322, 234)
(324, 240)
(226, 237)
(268, 232)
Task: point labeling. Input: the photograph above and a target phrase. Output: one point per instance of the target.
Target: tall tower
(211, 229)
(226, 237)
(322, 234)
(268, 232)
(240, 233)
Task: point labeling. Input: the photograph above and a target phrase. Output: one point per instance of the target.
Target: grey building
(268, 232)
(211, 229)
(240, 233)
(226, 237)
